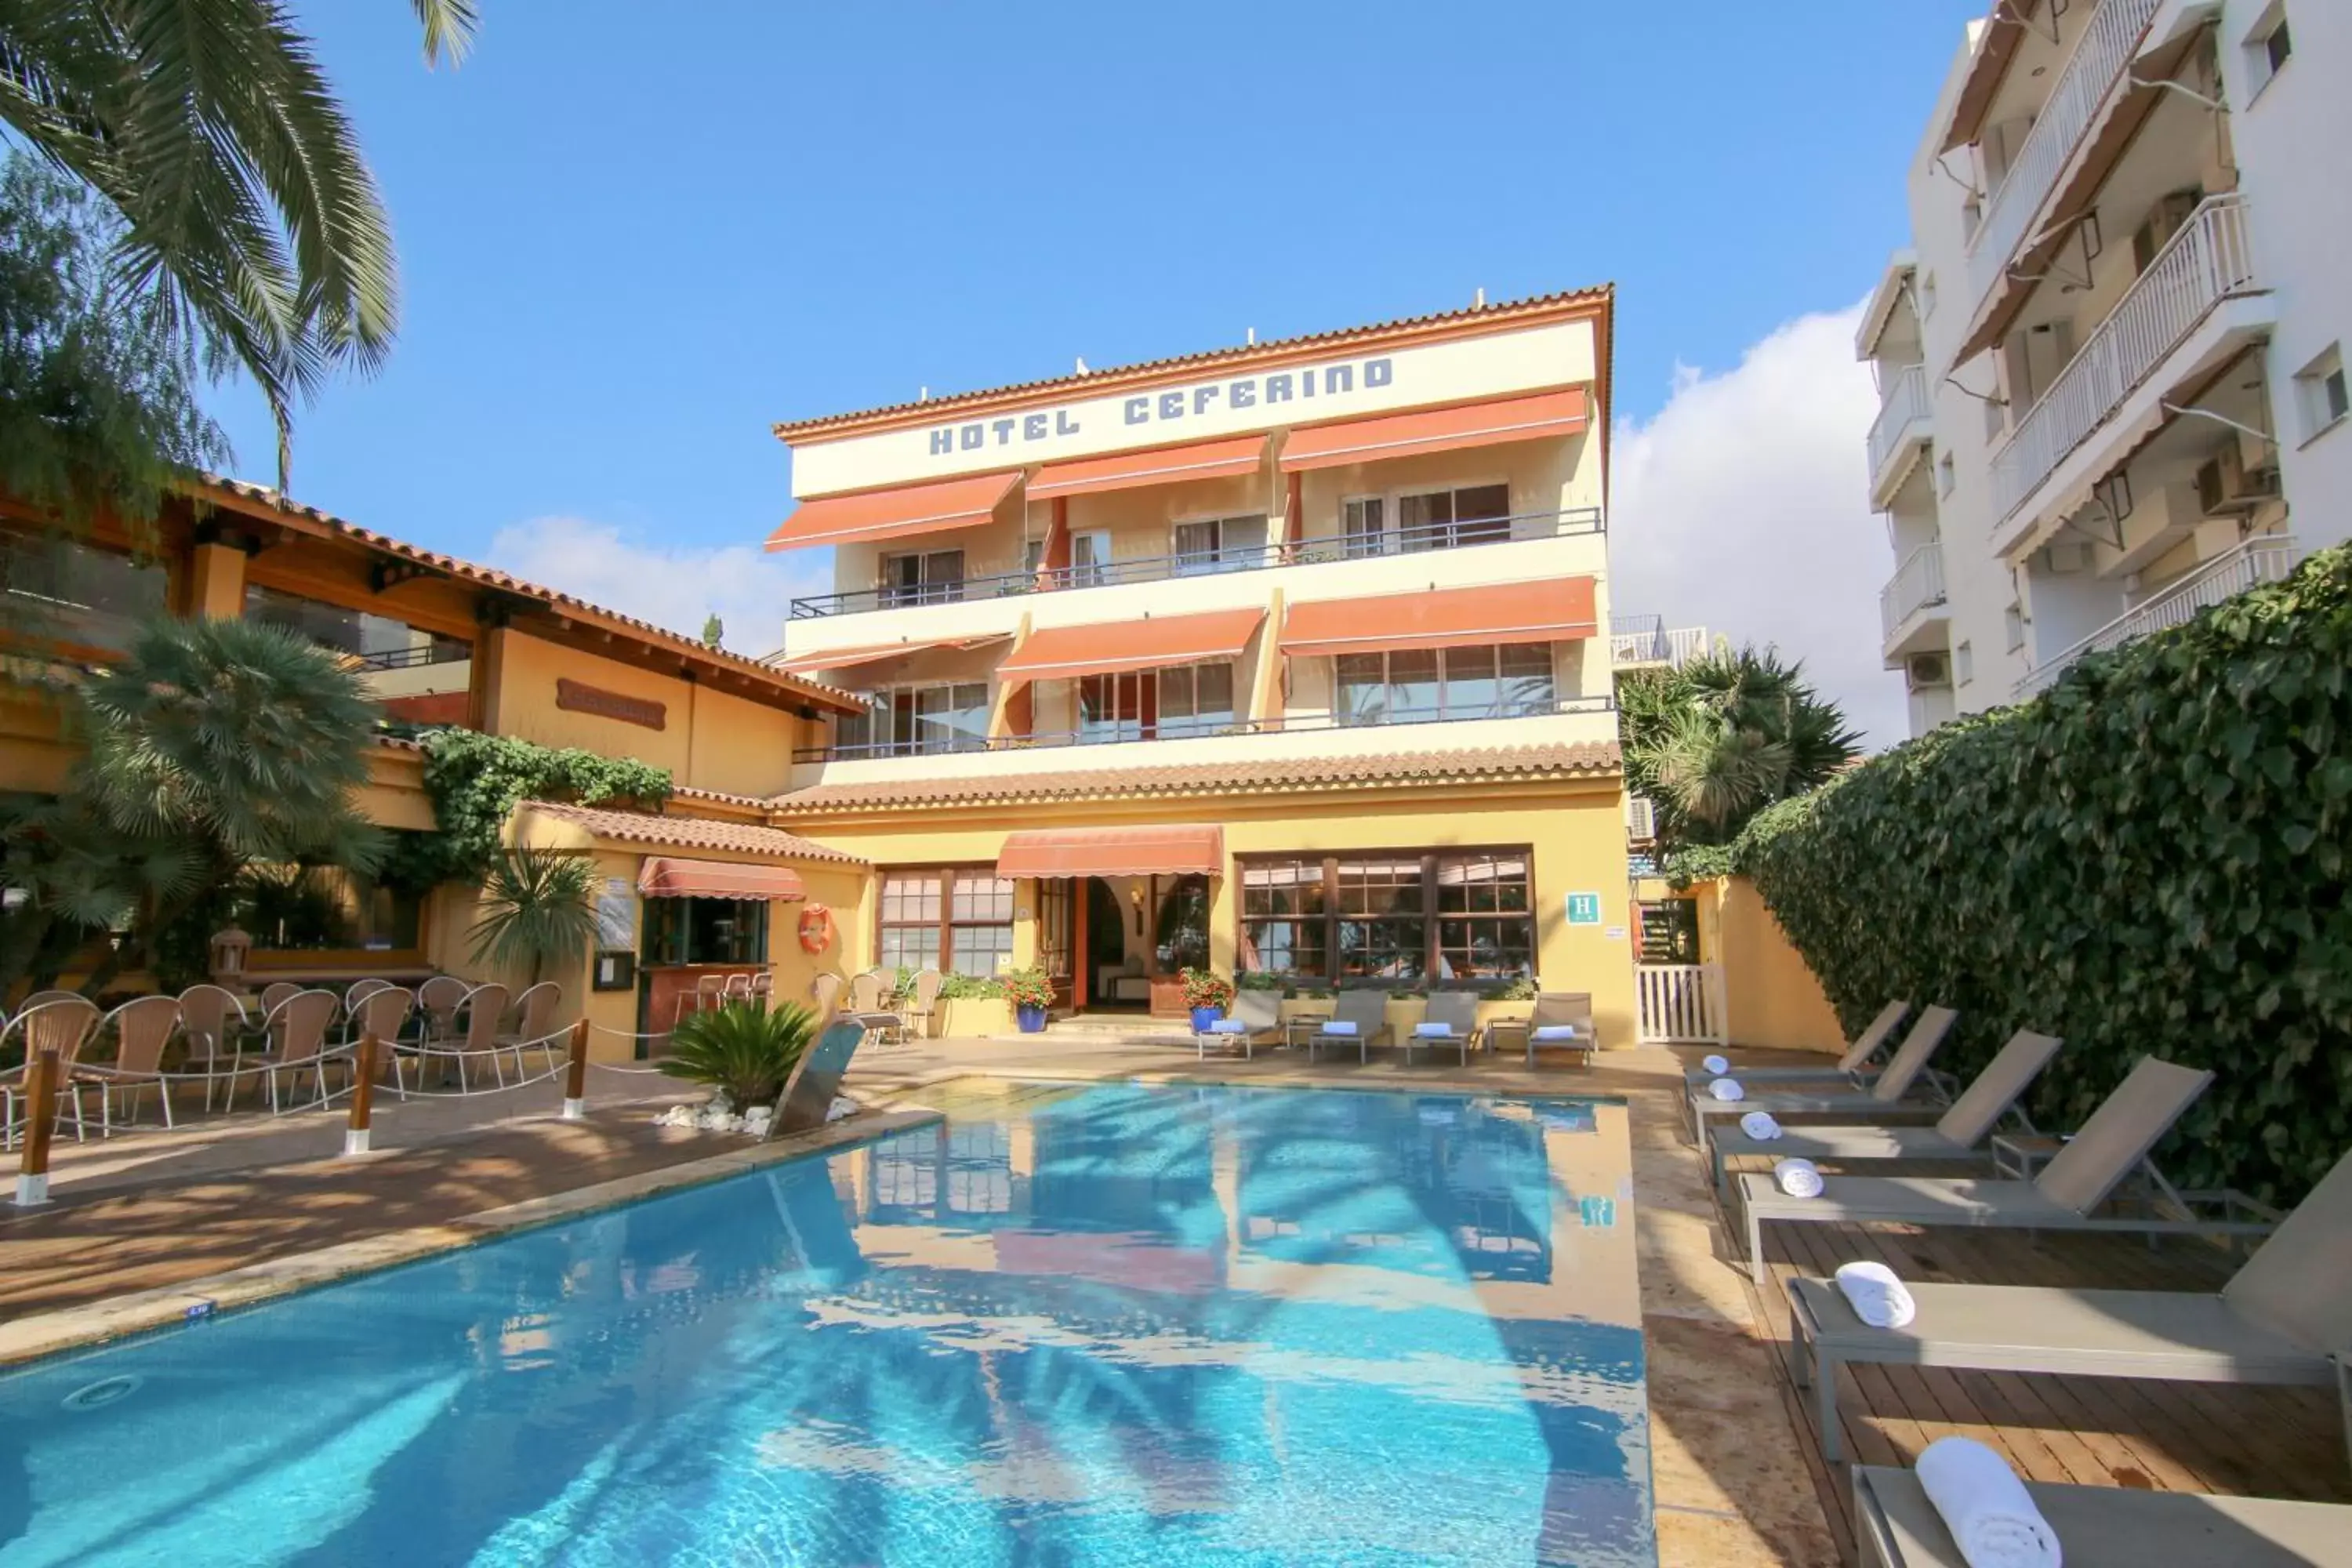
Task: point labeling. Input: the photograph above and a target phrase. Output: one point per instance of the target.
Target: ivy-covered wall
(2148, 858)
(475, 782)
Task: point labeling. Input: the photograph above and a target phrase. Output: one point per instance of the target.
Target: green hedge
(2148, 858)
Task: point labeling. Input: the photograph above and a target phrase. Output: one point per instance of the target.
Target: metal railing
(1916, 583)
(1646, 639)
(2090, 73)
(2209, 260)
(411, 657)
(2268, 559)
(1905, 402)
(1195, 730)
(1462, 534)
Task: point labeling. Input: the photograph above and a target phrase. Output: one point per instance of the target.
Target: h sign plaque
(1584, 908)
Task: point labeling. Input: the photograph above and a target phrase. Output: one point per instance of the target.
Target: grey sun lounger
(1884, 1099)
(1956, 1135)
(2285, 1316)
(1895, 1526)
(1368, 1010)
(1853, 1067)
(1458, 1011)
(2080, 1178)
(1259, 1015)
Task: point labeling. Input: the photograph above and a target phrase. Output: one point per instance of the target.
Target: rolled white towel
(1877, 1297)
(1726, 1089)
(1798, 1178)
(1334, 1027)
(1226, 1027)
(1988, 1510)
(1759, 1125)
(1719, 1066)
(1554, 1033)
(1432, 1031)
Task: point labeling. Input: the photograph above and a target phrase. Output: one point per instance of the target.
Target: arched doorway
(1180, 937)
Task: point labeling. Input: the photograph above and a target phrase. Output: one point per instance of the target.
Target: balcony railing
(2265, 560)
(2209, 260)
(1195, 729)
(1462, 534)
(2100, 57)
(1906, 401)
(1916, 583)
(1646, 639)
(411, 657)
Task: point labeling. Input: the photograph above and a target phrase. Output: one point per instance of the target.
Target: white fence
(1679, 1004)
(2268, 559)
(1906, 404)
(1916, 583)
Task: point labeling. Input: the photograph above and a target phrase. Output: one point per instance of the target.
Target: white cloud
(751, 590)
(1743, 507)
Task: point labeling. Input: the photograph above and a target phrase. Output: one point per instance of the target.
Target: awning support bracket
(2178, 412)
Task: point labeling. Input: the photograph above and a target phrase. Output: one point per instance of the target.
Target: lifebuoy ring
(816, 928)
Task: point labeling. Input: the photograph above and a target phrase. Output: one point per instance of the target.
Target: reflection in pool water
(1105, 1325)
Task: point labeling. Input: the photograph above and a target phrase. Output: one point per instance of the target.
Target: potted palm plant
(1030, 994)
(536, 910)
(1207, 993)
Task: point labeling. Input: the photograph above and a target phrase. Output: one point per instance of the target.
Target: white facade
(2110, 361)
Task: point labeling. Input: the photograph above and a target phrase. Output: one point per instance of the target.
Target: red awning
(1533, 418)
(665, 877)
(1166, 466)
(1552, 610)
(1056, 653)
(850, 657)
(1114, 852)
(893, 514)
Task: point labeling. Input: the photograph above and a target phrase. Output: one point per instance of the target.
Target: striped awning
(668, 877)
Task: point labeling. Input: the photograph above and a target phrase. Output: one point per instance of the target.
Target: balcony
(1917, 587)
(2265, 560)
(1900, 432)
(2101, 57)
(2207, 262)
(1635, 640)
(1462, 535)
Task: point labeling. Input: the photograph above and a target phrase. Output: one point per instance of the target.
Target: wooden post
(356, 1135)
(575, 1074)
(40, 1117)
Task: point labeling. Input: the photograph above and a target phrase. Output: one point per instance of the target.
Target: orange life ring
(816, 928)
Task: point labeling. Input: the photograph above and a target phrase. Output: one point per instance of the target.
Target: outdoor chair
(1561, 1020)
(2082, 1177)
(825, 991)
(763, 988)
(1451, 1020)
(920, 1014)
(297, 1031)
(483, 1006)
(65, 1022)
(1366, 1011)
(142, 1027)
(1886, 1098)
(1254, 1015)
(869, 999)
(439, 999)
(536, 1011)
(737, 988)
(1958, 1134)
(213, 1021)
(2285, 1316)
(1853, 1067)
(43, 998)
(274, 992)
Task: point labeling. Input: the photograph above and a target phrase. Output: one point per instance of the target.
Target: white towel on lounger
(1333, 1026)
(1759, 1125)
(1798, 1178)
(1432, 1031)
(1877, 1297)
(1557, 1034)
(1988, 1510)
(1228, 1027)
(1719, 1066)
(1727, 1089)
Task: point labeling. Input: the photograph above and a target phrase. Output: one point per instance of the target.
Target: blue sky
(633, 237)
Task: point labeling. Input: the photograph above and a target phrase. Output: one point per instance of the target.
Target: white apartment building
(2111, 364)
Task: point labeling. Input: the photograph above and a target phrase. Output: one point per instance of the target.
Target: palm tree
(536, 910)
(1726, 734)
(247, 207)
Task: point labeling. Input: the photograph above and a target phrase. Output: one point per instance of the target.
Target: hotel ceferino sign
(1311, 393)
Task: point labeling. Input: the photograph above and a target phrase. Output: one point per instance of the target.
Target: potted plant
(1030, 994)
(1207, 993)
(744, 1049)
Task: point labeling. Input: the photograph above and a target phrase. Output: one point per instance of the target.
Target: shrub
(970, 988)
(2148, 858)
(1028, 988)
(742, 1049)
(1206, 988)
(1259, 980)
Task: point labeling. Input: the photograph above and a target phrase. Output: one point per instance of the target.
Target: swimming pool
(1107, 1324)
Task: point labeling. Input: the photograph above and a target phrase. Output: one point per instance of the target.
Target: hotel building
(2111, 362)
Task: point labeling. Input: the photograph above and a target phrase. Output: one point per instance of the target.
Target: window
(1447, 918)
(420, 675)
(60, 590)
(1964, 664)
(1363, 526)
(1197, 699)
(2319, 386)
(1945, 475)
(1384, 919)
(2268, 45)
(315, 908)
(1220, 544)
(2012, 625)
(957, 922)
(1412, 685)
(1156, 704)
(706, 930)
(935, 577)
(1089, 559)
(1486, 927)
(918, 721)
(1282, 909)
(1440, 519)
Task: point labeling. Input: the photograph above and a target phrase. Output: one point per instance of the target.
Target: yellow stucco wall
(34, 757)
(1772, 998)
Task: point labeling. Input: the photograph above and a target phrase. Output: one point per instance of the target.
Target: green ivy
(474, 781)
(2149, 857)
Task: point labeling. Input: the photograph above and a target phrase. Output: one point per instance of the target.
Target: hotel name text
(1169, 406)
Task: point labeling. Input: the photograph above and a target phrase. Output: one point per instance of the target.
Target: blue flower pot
(1205, 1016)
(1031, 1017)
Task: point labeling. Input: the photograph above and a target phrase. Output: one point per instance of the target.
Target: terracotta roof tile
(689, 831)
(1584, 758)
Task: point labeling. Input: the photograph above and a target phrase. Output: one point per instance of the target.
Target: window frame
(2325, 397)
(1499, 706)
(925, 589)
(1220, 556)
(946, 923)
(1395, 534)
(1326, 906)
(656, 948)
(883, 701)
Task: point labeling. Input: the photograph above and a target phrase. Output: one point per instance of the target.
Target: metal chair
(142, 1028)
(921, 1008)
(737, 989)
(483, 1006)
(355, 996)
(825, 991)
(763, 988)
(274, 992)
(297, 1030)
(439, 999)
(536, 1011)
(65, 1022)
(213, 1021)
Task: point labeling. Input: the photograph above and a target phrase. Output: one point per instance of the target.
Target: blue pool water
(1114, 1324)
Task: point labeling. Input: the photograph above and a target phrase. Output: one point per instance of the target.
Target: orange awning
(850, 657)
(1552, 610)
(1114, 852)
(893, 514)
(665, 877)
(1166, 466)
(1057, 653)
(1437, 430)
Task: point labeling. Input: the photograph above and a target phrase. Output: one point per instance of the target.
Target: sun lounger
(2284, 1318)
(1255, 1015)
(1365, 1010)
(1455, 1012)
(1956, 1135)
(1560, 1021)
(2062, 1197)
(2110, 1527)
(1884, 1099)
(1853, 1067)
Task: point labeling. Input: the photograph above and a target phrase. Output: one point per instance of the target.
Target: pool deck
(150, 1224)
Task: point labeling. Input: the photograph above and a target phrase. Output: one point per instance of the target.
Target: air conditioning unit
(1926, 672)
(2227, 487)
(1640, 820)
(2066, 558)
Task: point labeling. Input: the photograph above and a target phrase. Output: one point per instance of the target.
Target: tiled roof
(689, 831)
(1584, 758)
(788, 429)
(550, 598)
